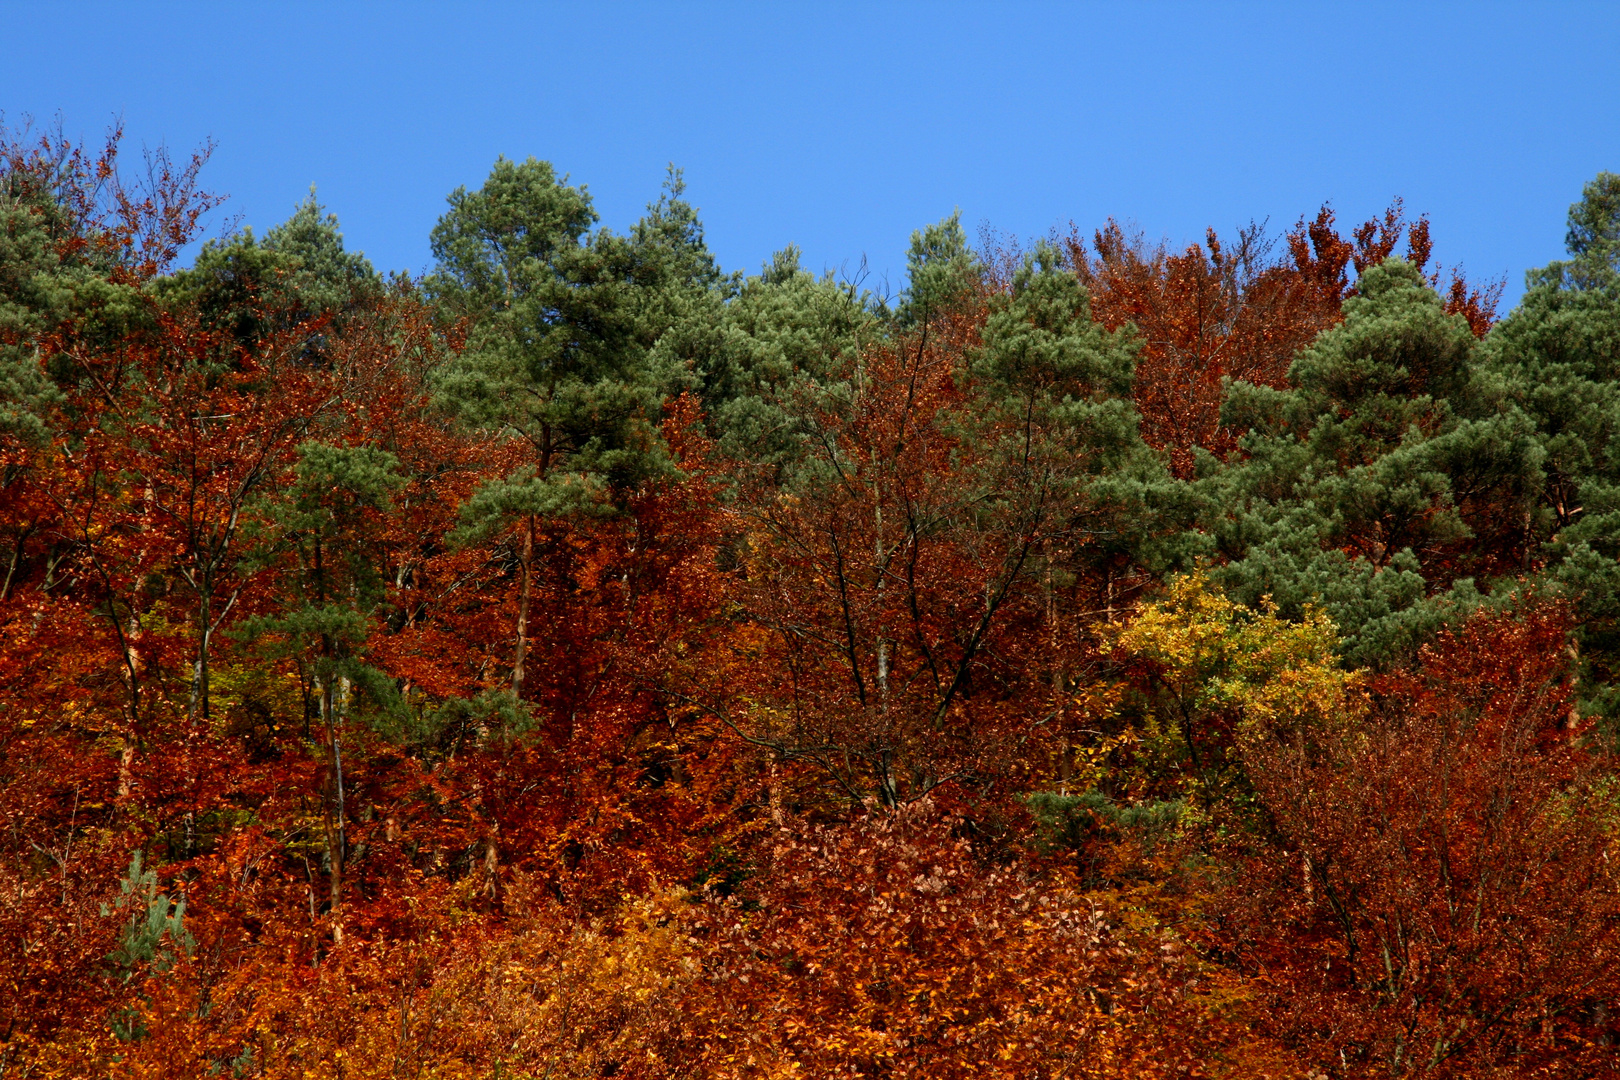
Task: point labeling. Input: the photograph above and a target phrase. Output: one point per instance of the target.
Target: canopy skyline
(841, 130)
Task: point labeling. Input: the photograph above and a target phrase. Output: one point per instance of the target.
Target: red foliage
(1438, 895)
(137, 225)
(901, 630)
(704, 837)
(1234, 311)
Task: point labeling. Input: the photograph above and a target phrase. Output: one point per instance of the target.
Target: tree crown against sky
(797, 127)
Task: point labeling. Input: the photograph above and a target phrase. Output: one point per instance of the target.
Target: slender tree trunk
(132, 721)
(13, 563)
(335, 838)
(523, 609)
(126, 755)
(1065, 760)
(882, 612)
(199, 680)
(1572, 722)
(492, 861)
(334, 758)
(205, 671)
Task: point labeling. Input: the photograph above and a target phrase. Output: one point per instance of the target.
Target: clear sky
(843, 127)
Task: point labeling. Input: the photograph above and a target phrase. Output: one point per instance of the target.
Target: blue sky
(843, 127)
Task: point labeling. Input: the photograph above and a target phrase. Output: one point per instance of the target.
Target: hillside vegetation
(1095, 660)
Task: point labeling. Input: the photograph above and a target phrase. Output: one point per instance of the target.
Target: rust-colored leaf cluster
(1240, 309)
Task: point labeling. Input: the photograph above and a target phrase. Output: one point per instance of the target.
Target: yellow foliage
(1215, 654)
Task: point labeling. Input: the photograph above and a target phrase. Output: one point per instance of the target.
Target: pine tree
(1556, 359)
(323, 538)
(1343, 493)
(562, 326)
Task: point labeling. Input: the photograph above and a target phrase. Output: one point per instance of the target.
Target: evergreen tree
(297, 274)
(1054, 388)
(1556, 358)
(1344, 491)
(56, 280)
(942, 271)
(323, 534)
(782, 338)
(561, 350)
(318, 276)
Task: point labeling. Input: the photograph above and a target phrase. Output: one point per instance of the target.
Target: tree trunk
(126, 759)
(132, 720)
(523, 609)
(336, 841)
(1572, 723)
(199, 682)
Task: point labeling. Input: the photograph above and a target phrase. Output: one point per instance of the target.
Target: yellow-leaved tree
(1218, 678)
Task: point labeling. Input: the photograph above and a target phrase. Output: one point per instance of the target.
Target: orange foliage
(1228, 311)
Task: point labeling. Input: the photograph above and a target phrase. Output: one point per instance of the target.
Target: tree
(1233, 311)
(319, 277)
(326, 532)
(1356, 480)
(1593, 238)
(1555, 360)
(1436, 894)
(1220, 677)
(81, 242)
(942, 272)
(288, 291)
(785, 334)
(895, 572)
(559, 344)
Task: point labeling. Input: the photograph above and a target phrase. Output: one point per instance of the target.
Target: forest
(1092, 659)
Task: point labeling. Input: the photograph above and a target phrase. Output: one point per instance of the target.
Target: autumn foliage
(1454, 879)
(590, 664)
(1234, 310)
